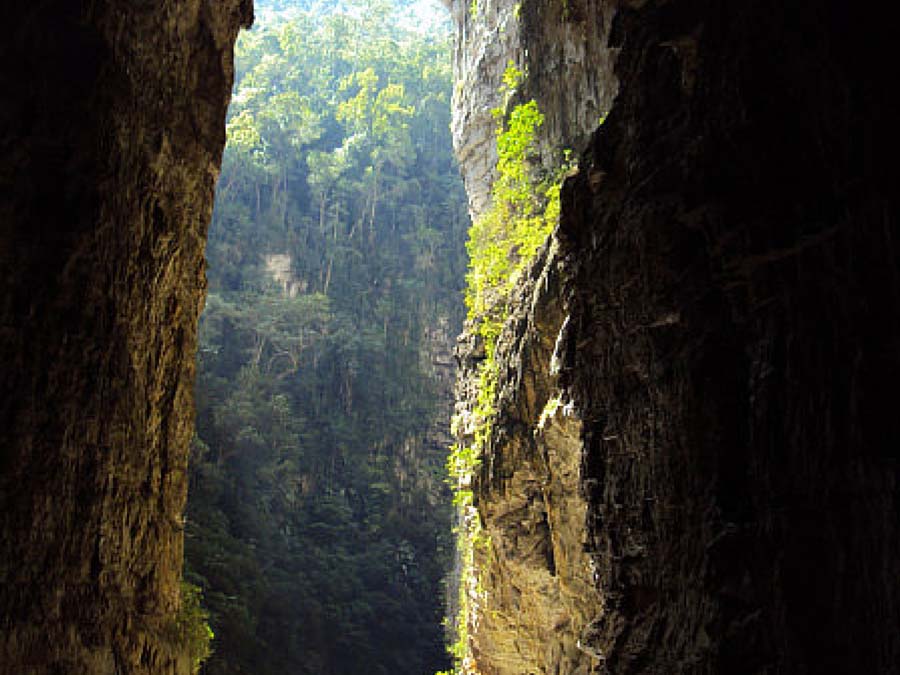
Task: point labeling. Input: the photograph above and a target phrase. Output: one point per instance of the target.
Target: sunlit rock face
(560, 45)
(535, 593)
(721, 298)
(112, 128)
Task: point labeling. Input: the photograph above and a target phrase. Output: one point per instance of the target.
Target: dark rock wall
(734, 297)
(111, 132)
(723, 300)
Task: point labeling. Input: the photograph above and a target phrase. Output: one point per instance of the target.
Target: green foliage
(523, 212)
(318, 525)
(192, 626)
(502, 242)
(512, 77)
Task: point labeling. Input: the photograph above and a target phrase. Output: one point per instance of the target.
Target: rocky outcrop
(112, 129)
(721, 297)
(534, 590)
(562, 48)
(534, 594)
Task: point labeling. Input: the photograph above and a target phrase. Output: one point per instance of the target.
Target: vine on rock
(502, 242)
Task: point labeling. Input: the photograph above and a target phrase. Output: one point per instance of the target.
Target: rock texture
(112, 128)
(562, 48)
(723, 295)
(733, 297)
(535, 593)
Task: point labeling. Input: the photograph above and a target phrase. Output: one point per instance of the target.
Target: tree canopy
(318, 524)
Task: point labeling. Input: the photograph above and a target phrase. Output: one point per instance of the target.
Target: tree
(311, 527)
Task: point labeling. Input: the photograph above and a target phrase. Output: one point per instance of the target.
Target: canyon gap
(724, 267)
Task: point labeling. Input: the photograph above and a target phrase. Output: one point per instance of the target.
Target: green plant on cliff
(503, 241)
(192, 626)
(524, 209)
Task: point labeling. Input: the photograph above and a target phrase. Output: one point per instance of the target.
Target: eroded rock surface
(562, 48)
(112, 127)
(535, 595)
(733, 298)
(726, 275)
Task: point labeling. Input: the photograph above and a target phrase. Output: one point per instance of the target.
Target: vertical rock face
(733, 304)
(562, 48)
(112, 128)
(721, 298)
(535, 593)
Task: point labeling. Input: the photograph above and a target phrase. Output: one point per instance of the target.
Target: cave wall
(734, 311)
(562, 48)
(721, 301)
(534, 594)
(111, 128)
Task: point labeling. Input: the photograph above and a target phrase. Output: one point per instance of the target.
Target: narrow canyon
(673, 418)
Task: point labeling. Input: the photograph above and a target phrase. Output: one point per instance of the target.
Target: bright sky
(427, 16)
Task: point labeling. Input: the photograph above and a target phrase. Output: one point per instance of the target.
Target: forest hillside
(318, 523)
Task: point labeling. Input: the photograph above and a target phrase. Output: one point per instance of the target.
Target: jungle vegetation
(318, 521)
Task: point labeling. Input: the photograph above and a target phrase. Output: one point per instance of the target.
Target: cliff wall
(562, 48)
(112, 128)
(717, 314)
(534, 593)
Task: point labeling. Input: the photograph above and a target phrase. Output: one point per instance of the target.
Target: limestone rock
(538, 592)
(560, 45)
(720, 310)
(728, 345)
(112, 128)
(536, 577)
